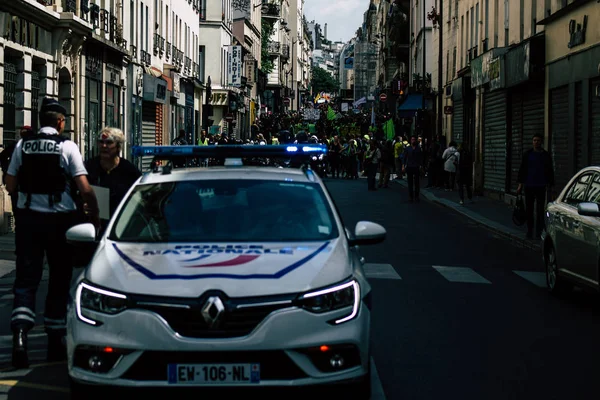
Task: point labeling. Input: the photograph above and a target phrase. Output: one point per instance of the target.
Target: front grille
(239, 318)
(274, 365)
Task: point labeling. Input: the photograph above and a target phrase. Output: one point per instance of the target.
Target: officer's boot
(19, 352)
(57, 350)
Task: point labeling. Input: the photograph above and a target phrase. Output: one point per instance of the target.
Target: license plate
(206, 374)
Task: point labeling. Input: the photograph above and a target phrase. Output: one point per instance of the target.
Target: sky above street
(343, 17)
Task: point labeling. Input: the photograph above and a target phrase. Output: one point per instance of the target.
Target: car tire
(555, 284)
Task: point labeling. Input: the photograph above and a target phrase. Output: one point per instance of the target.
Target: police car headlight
(345, 295)
(99, 300)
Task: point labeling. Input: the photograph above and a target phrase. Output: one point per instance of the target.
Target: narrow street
(458, 313)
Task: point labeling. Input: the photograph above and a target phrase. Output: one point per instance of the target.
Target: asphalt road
(459, 313)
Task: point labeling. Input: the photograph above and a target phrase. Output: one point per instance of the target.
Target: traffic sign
(383, 97)
(229, 117)
(286, 101)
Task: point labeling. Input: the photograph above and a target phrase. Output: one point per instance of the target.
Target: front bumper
(278, 344)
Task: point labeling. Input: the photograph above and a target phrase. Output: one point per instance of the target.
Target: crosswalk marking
(380, 271)
(460, 274)
(537, 278)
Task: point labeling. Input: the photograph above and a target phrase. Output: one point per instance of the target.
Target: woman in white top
(451, 157)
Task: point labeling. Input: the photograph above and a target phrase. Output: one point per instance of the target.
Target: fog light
(95, 363)
(336, 361)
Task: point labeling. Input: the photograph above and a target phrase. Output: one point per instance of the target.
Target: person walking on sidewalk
(42, 170)
(451, 159)
(413, 165)
(536, 175)
(465, 173)
(371, 163)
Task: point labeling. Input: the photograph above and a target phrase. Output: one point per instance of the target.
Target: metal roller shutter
(580, 147)
(533, 115)
(494, 136)
(457, 121)
(148, 130)
(595, 123)
(516, 138)
(559, 134)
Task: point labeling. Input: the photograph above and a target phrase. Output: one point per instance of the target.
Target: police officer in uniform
(43, 168)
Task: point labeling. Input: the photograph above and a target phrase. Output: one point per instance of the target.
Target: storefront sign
(155, 89)
(250, 73)
(577, 32)
(234, 66)
(488, 68)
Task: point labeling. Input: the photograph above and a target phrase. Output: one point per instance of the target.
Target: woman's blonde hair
(114, 134)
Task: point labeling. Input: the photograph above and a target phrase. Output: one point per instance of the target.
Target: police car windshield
(225, 210)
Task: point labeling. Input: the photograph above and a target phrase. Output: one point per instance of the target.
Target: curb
(478, 219)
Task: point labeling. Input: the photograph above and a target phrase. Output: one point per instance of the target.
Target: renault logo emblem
(212, 311)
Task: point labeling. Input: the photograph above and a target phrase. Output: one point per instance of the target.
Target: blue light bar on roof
(229, 151)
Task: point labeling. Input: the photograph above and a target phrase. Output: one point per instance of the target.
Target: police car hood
(239, 270)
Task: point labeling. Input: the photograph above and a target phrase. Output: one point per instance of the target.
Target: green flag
(388, 129)
(330, 113)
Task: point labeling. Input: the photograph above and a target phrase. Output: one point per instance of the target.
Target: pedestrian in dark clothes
(536, 175)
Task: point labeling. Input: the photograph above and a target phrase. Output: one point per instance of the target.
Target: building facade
(216, 25)
(247, 17)
(572, 82)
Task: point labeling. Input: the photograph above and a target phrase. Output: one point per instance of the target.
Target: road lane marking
(380, 271)
(537, 278)
(460, 274)
(29, 385)
(377, 392)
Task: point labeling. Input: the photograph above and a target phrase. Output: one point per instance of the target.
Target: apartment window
(477, 24)
(506, 9)
(201, 62)
(447, 65)
(173, 35)
(533, 17)
(522, 20)
(147, 23)
(547, 8)
(462, 37)
(141, 26)
(496, 21)
(487, 19)
(449, 10)
(471, 44)
(132, 15)
(156, 20)
(456, 9)
(454, 63)
(167, 23)
(202, 10)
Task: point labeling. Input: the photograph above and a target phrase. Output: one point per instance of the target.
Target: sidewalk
(492, 214)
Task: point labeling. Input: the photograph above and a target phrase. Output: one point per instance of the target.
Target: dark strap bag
(519, 216)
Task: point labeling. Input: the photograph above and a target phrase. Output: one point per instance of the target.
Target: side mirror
(588, 209)
(82, 233)
(366, 233)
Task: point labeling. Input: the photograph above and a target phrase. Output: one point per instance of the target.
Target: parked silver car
(571, 240)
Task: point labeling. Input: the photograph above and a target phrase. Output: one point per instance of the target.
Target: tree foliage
(266, 62)
(322, 81)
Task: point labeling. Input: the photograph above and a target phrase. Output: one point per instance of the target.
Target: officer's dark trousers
(38, 234)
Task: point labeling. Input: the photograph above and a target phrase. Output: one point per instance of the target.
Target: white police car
(227, 276)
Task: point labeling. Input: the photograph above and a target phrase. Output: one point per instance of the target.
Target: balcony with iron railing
(271, 10)
(145, 58)
(273, 48)
(195, 70)
(484, 45)
(168, 50)
(188, 65)
(133, 51)
(159, 45)
(471, 54)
